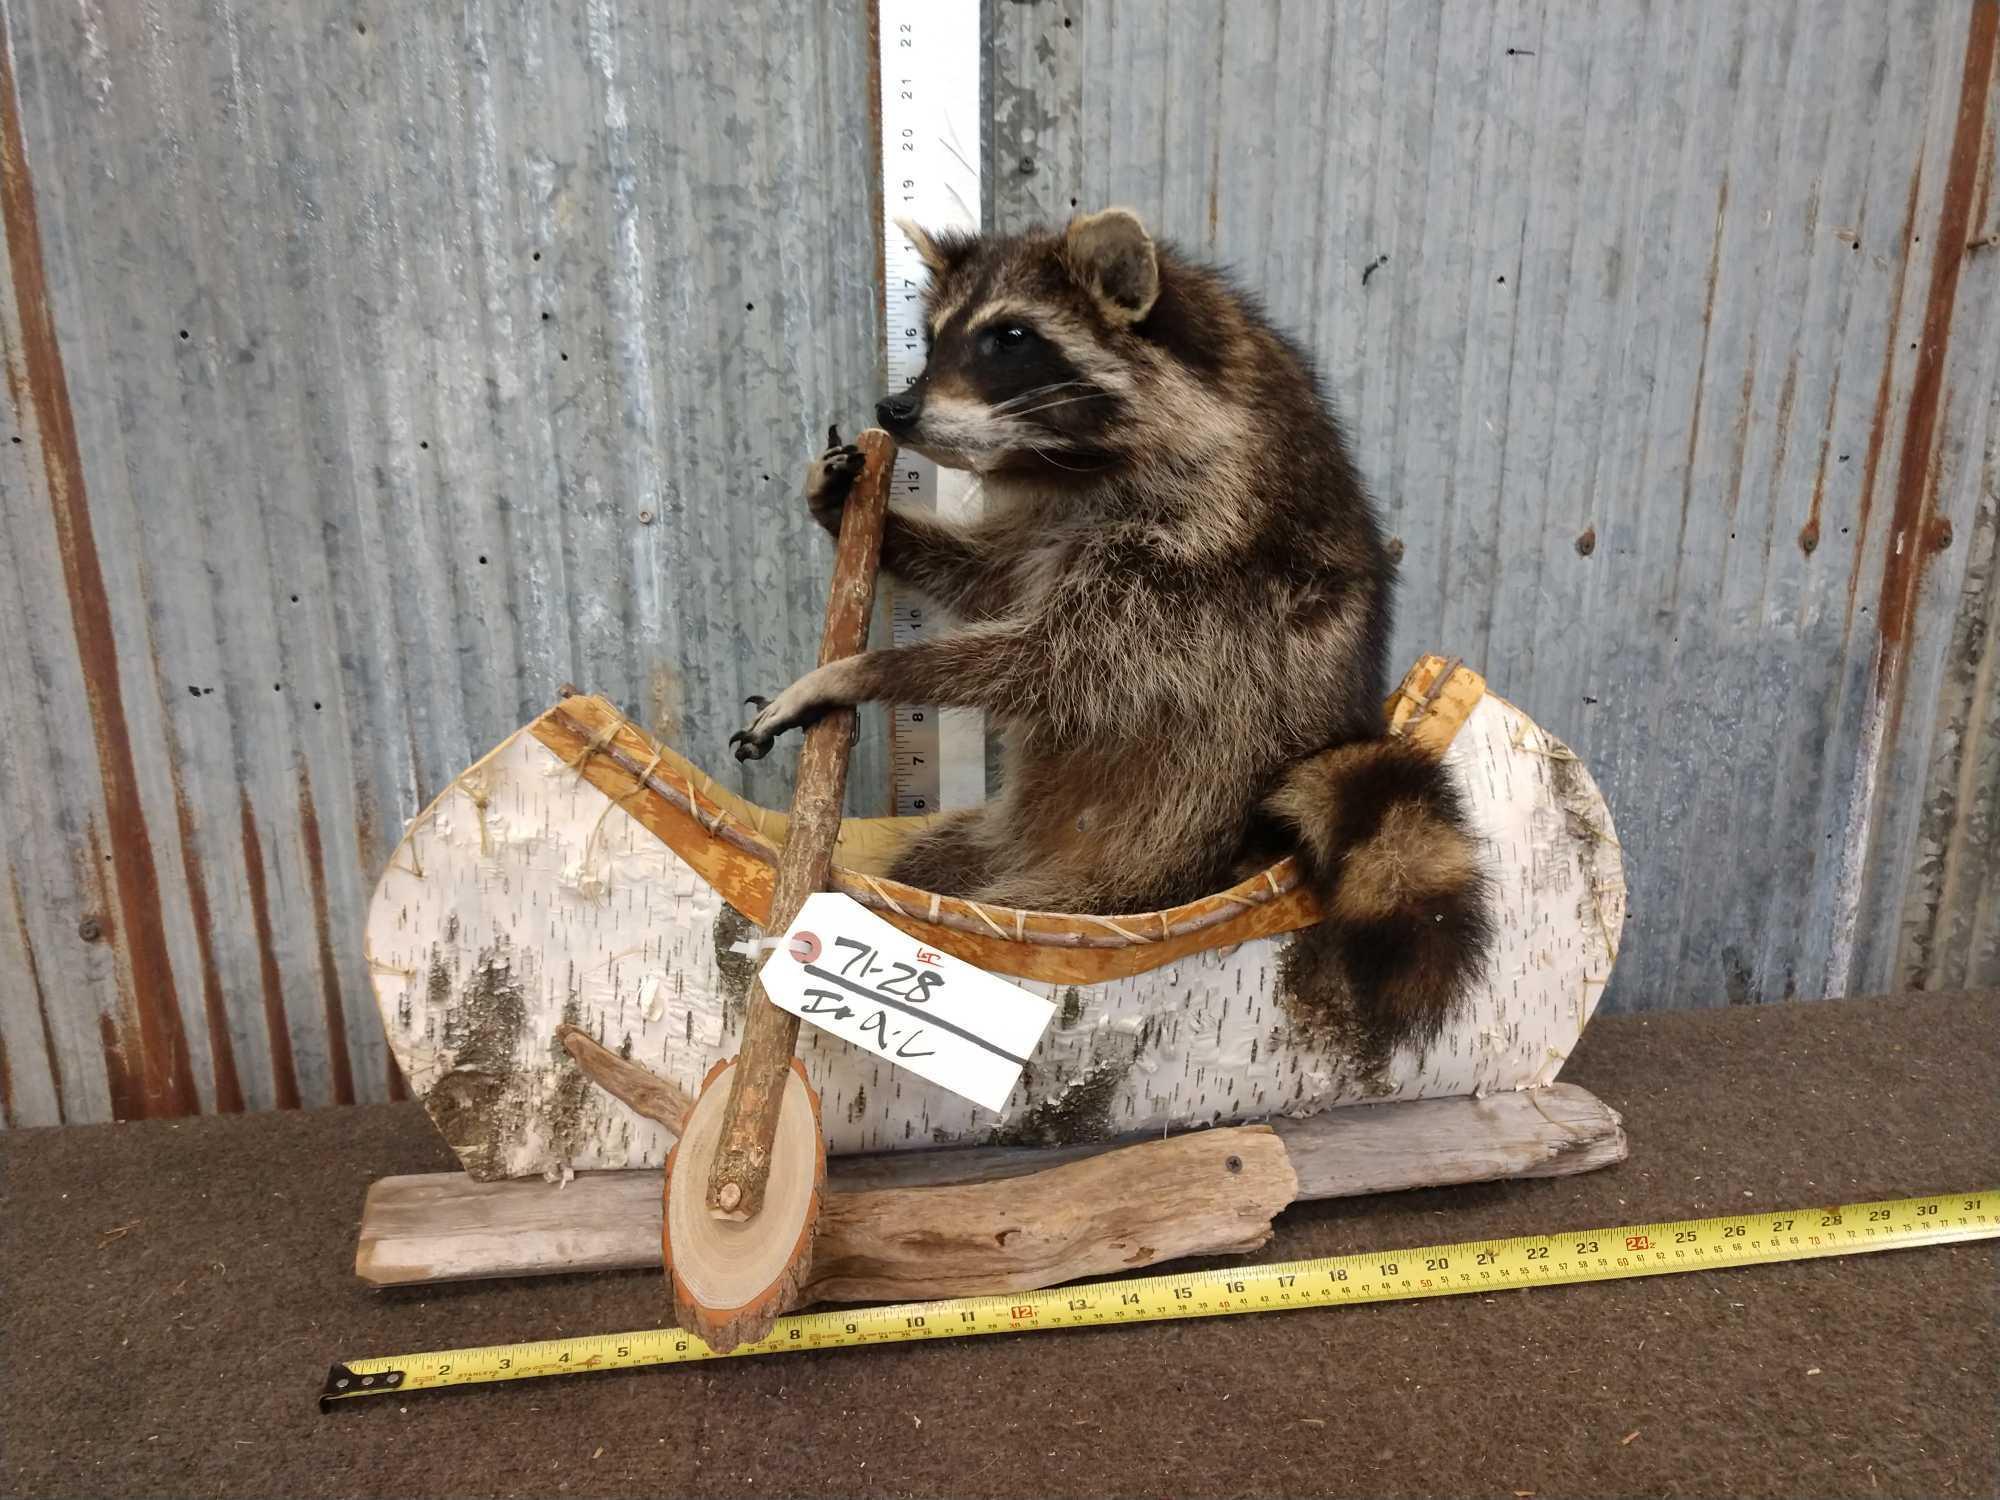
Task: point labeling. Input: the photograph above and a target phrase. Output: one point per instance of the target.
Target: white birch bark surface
(523, 898)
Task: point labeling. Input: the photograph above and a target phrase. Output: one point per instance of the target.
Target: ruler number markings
(1424, 1271)
(930, 70)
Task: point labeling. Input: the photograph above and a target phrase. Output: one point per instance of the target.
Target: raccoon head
(1039, 348)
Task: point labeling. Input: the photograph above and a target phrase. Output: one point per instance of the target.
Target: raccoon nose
(896, 413)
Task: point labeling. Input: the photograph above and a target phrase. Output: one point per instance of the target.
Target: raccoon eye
(1007, 338)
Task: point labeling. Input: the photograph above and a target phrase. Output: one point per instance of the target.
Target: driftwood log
(904, 1226)
(444, 1226)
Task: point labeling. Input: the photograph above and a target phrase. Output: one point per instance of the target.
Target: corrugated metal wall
(373, 373)
(1951, 896)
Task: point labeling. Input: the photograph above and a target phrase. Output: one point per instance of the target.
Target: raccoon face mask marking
(1033, 361)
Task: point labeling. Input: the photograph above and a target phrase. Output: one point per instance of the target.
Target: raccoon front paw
(789, 710)
(830, 480)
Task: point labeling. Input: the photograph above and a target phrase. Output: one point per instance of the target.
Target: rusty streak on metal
(372, 858)
(329, 965)
(214, 1004)
(1787, 394)
(1809, 533)
(1878, 427)
(117, 1072)
(41, 995)
(1745, 401)
(128, 1101)
(1985, 185)
(365, 820)
(165, 1081)
(228, 1083)
(1700, 381)
(284, 1075)
(1907, 552)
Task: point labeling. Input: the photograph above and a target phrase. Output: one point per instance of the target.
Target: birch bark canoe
(581, 874)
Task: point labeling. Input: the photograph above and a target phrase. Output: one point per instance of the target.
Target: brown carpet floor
(173, 1294)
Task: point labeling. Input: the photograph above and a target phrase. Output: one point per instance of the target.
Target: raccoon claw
(830, 478)
(749, 746)
(753, 741)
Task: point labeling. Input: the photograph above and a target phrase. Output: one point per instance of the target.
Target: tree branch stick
(757, 1089)
(639, 1089)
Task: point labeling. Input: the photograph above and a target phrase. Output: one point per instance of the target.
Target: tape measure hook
(345, 1384)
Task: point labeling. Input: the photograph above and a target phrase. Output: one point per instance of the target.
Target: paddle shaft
(770, 1035)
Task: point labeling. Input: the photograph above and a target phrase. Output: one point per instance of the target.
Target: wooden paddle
(751, 1164)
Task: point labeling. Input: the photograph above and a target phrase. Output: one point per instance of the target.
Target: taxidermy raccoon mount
(1176, 605)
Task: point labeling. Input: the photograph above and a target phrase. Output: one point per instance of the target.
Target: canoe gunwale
(712, 833)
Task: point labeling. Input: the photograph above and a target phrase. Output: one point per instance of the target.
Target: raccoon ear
(938, 252)
(1112, 256)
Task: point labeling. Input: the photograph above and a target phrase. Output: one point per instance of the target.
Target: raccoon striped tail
(1407, 904)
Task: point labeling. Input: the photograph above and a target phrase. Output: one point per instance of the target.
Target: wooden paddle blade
(734, 1277)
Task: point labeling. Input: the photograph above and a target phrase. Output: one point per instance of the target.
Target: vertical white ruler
(930, 174)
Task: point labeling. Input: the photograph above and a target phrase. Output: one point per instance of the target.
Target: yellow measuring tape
(1383, 1276)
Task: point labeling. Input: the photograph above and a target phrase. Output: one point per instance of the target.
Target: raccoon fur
(1176, 605)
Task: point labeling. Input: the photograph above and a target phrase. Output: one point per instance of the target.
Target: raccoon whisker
(1039, 390)
(1036, 394)
(1049, 455)
(1052, 405)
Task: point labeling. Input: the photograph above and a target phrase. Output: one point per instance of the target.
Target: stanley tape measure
(1385, 1276)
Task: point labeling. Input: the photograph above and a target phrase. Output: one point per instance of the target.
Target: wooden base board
(444, 1226)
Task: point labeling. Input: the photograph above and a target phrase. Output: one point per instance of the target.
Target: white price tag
(848, 972)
